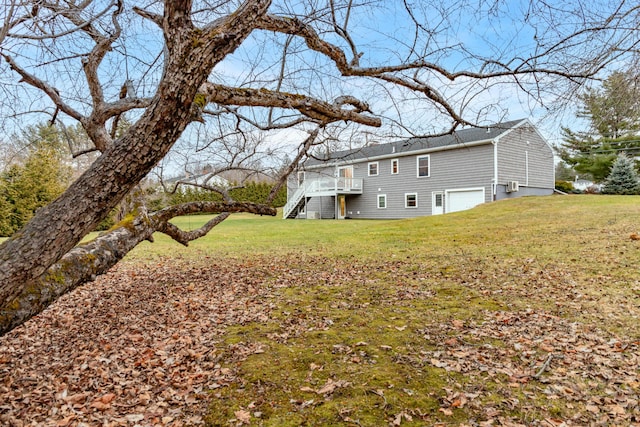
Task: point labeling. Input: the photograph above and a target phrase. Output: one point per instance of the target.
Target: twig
(544, 366)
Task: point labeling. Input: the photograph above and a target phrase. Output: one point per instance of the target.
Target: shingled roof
(461, 137)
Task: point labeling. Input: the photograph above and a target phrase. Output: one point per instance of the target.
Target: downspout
(495, 169)
(526, 167)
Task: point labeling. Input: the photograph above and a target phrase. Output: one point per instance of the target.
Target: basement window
(411, 200)
(382, 201)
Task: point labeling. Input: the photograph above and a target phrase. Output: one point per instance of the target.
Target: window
(394, 167)
(423, 166)
(438, 200)
(300, 178)
(373, 168)
(382, 201)
(411, 200)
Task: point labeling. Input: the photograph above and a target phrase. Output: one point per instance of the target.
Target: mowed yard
(521, 312)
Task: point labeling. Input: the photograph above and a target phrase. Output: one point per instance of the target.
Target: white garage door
(460, 200)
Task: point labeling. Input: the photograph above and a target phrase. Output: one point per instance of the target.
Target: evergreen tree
(40, 176)
(6, 209)
(613, 112)
(623, 178)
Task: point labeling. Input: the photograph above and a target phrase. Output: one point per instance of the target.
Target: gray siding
(325, 206)
(525, 157)
(470, 167)
(523, 191)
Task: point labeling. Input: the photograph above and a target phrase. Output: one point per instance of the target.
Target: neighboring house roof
(247, 175)
(471, 136)
(199, 179)
(583, 184)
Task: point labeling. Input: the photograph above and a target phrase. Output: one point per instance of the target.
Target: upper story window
(423, 166)
(300, 178)
(373, 168)
(395, 168)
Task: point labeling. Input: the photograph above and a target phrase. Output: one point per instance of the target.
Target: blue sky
(384, 34)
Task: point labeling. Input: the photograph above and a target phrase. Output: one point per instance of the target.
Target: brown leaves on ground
(142, 346)
(542, 358)
(137, 347)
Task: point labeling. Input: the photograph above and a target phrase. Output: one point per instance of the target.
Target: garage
(463, 199)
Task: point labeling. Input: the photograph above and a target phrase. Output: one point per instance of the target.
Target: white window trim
(428, 166)
(369, 168)
(341, 168)
(405, 200)
(378, 201)
(397, 163)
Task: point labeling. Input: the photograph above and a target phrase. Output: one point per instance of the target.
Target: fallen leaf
(331, 386)
(100, 406)
(448, 412)
(243, 416)
(592, 408)
(107, 398)
(451, 342)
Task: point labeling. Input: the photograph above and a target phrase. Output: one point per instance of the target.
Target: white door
(437, 203)
(463, 199)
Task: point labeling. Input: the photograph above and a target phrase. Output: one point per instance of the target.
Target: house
(424, 176)
(586, 185)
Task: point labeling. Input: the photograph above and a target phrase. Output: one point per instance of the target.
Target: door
(345, 175)
(437, 203)
(342, 207)
(460, 200)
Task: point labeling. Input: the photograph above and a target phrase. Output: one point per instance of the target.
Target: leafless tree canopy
(239, 82)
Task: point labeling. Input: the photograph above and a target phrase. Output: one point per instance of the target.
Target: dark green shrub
(564, 186)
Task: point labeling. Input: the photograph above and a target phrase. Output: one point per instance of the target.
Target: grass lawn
(520, 312)
(478, 316)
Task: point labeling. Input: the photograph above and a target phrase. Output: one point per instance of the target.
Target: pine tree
(613, 113)
(623, 178)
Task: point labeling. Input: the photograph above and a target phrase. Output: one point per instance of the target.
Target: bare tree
(258, 65)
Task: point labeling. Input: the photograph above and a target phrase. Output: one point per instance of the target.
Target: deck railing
(322, 186)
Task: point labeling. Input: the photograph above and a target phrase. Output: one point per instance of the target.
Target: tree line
(38, 167)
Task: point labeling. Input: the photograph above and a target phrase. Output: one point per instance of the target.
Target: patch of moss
(346, 333)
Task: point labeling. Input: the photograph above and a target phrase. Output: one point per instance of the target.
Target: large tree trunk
(57, 228)
(86, 261)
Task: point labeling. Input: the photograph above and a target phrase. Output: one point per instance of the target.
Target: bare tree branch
(310, 107)
(303, 151)
(50, 91)
(86, 261)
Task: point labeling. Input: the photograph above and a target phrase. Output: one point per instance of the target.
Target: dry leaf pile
(136, 347)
